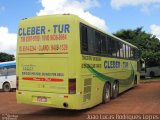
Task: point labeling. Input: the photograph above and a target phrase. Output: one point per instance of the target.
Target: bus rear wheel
(106, 93)
(6, 87)
(115, 89)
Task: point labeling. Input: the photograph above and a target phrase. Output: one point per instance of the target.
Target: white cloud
(145, 4)
(7, 40)
(80, 8)
(155, 30)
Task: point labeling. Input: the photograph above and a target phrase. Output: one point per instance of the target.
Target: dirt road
(144, 99)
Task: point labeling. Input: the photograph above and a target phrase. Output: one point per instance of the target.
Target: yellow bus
(65, 62)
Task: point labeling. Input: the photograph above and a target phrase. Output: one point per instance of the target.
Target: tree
(148, 44)
(4, 57)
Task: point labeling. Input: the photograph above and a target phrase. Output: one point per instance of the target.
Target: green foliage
(4, 57)
(148, 44)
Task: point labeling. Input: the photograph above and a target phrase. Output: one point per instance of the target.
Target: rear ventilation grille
(87, 89)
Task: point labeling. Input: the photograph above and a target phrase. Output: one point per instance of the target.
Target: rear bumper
(53, 99)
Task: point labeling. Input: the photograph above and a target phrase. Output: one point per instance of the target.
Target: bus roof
(10, 63)
(72, 16)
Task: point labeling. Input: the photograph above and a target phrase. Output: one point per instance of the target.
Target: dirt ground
(143, 99)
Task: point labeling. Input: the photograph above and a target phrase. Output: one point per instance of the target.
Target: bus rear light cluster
(72, 86)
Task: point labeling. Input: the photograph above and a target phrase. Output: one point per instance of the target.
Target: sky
(109, 15)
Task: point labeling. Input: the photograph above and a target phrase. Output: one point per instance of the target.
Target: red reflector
(65, 96)
(72, 86)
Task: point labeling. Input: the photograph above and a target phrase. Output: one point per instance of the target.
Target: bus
(65, 62)
(153, 71)
(142, 68)
(8, 76)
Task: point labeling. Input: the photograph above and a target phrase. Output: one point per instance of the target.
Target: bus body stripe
(43, 79)
(45, 53)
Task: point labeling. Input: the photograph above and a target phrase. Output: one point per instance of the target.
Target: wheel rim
(115, 87)
(115, 90)
(107, 93)
(6, 87)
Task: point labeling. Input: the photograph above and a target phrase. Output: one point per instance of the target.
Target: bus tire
(6, 87)
(106, 93)
(115, 89)
(135, 81)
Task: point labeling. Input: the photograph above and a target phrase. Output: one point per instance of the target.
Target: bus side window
(131, 53)
(90, 35)
(127, 56)
(109, 46)
(124, 50)
(118, 49)
(114, 48)
(104, 45)
(84, 39)
(0, 71)
(11, 70)
(97, 42)
(87, 39)
(121, 49)
(3, 71)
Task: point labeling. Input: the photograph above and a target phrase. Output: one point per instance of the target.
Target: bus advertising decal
(39, 30)
(43, 39)
(43, 79)
(103, 77)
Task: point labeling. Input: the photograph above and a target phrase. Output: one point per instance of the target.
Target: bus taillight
(72, 86)
(17, 80)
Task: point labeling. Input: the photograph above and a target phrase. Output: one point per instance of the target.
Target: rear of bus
(46, 59)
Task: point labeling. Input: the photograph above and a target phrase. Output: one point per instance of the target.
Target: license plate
(41, 99)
